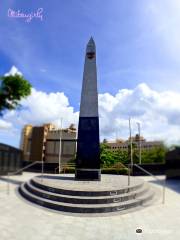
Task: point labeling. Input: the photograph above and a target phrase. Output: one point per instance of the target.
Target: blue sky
(137, 42)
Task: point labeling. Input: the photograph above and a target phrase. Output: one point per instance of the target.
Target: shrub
(68, 170)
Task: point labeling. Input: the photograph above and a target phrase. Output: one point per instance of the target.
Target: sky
(138, 58)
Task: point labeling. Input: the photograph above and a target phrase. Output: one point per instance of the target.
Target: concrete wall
(10, 159)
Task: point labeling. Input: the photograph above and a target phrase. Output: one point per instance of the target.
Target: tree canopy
(12, 89)
(109, 158)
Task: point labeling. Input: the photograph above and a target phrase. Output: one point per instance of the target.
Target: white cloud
(158, 113)
(41, 107)
(5, 125)
(13, 71)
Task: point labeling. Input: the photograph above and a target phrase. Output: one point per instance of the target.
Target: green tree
(109, 158)
(12, 90)
(105, 155)
(154, 155)
(121, 156)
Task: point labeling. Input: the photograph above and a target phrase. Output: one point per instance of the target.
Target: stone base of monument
(88, 175)
(111, 194)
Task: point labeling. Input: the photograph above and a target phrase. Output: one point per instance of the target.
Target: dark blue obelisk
(88, 151)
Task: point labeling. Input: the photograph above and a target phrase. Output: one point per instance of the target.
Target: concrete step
(86, 208)
(85, 199)
(64, 191)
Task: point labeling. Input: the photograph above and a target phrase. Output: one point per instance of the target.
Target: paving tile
(20, 220)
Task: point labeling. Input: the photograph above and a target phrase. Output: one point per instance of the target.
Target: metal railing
(63, 167)
(20, 170)
(147, 172)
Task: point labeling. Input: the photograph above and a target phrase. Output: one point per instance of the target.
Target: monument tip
(91, 47)
(91, 40)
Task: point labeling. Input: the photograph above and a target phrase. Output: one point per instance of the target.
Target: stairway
(76, 199)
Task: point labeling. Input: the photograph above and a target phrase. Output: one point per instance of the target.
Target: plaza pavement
(20, 220)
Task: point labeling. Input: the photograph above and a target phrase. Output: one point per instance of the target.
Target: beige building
(24, 142)
(121, 144)
(43, 143)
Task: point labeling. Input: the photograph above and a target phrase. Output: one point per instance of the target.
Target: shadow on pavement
(13, 181)
(170, 183)
(58, 177)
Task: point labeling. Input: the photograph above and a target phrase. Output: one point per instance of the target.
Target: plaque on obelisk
(88, 151)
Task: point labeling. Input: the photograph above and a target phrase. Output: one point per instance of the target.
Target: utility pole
(130, 138)
(60, 149)
(139, 132)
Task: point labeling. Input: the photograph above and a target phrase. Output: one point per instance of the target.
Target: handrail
(65, 165)
(56, 169)
(20, 170)
(144, 170)
(26, 167)
(164, 184)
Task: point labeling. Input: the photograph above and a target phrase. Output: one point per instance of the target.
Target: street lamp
(130, 137)
(139, 132)
(60, 140)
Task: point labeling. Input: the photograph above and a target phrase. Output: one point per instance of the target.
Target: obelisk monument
(88, 151)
